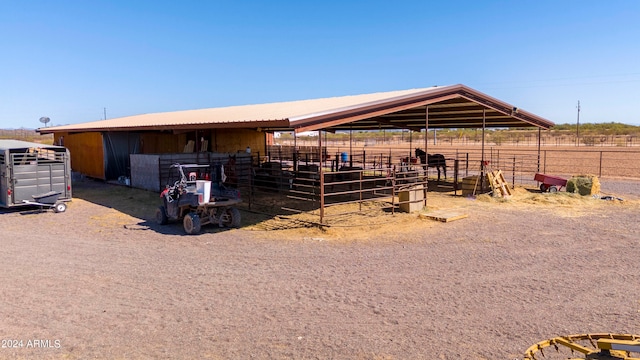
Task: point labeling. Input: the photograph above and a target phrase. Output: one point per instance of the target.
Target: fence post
(393, 190)
(456, 166)
(360, 192)
(600, 169)
(364, 157)
(513, 173)
(466, 166)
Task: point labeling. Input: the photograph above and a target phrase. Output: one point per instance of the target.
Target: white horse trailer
(29, 170)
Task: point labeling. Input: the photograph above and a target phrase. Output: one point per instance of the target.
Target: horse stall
(288, 179)
(346, 179)
(29, 170)
(152, 171)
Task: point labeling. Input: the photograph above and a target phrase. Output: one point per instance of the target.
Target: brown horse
(432, 160)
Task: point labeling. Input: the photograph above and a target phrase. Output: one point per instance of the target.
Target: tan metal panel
(87, 152)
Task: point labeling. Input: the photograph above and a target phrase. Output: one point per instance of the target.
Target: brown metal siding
(162, 143)
(237, 140)
(219, 140)
(87, 152)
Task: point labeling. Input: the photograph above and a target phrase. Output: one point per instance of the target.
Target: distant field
(567, 160)
(26, 135)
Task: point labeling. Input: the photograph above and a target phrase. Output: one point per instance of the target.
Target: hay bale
(584, 185)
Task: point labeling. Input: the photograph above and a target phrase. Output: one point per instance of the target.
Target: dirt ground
(102, 280)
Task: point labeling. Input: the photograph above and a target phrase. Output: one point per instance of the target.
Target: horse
(432, 160)
(231, 173)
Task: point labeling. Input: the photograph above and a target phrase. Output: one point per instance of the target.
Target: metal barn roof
(455, 106)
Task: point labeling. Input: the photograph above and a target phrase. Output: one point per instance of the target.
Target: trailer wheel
(191, 223)
(230, 217)
(553, 189)
(161, 216)
(59, 207)
(543, 187)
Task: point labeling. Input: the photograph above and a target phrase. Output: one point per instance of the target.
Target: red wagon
(550, 183)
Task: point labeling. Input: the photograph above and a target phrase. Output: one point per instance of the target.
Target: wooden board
(499, 184)
(444, 215)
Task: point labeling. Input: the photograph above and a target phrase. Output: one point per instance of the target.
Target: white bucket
(203, 188)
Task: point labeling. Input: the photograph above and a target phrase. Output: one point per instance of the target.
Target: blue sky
(69, 60)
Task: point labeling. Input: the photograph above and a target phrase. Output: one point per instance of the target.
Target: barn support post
(350, 147)
(426, 150)
(323, 151)
(128, 161)
(539, 136)
(484, 120)
(410, 145)
(295, 153)
(321, 178)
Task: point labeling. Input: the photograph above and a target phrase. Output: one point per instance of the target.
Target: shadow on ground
(142, 204)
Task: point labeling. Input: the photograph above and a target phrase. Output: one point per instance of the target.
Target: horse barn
(138, 150)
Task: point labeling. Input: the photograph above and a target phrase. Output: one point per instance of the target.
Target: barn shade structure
(455, 106)
(231, 129)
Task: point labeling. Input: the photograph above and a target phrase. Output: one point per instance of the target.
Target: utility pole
(578, 126)
(105, 113)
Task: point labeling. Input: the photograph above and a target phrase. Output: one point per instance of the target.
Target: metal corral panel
(153, 171)
(145, 171)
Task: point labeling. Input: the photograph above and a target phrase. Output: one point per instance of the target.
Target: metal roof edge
(506, 108)
(346, 109)
(425, 96)
(222, 125)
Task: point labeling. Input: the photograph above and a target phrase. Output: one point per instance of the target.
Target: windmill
(44, 120)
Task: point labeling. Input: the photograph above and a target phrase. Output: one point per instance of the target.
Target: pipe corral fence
(288, 179)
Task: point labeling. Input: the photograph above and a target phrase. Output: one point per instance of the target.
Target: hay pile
(584, 185)
(374, 222)
(348, 222)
